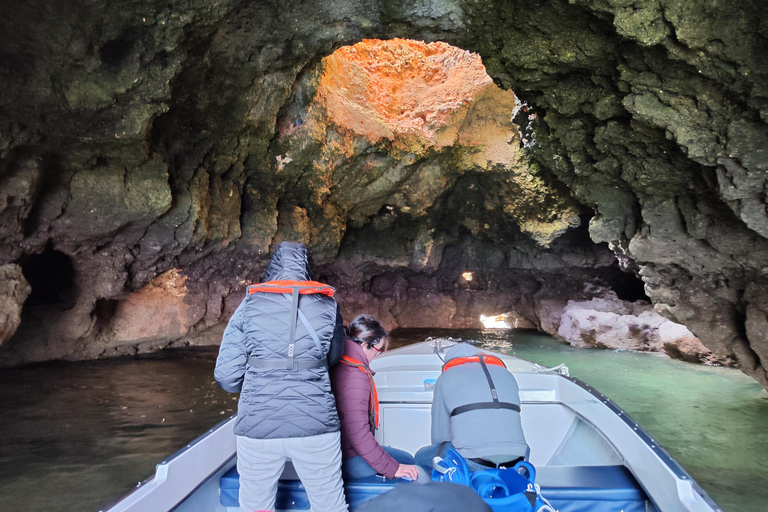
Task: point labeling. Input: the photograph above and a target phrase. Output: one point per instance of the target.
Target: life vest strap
(291, 291)
(373, 406)
(298, 364)
(485, 405)
(311, 331)
(292, 334)
(484, 360)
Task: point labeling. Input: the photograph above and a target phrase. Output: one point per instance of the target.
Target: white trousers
(317, 460)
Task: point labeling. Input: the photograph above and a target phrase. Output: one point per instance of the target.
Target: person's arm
(352, 398)
(233, 356)
(441, 417)
(337, 342)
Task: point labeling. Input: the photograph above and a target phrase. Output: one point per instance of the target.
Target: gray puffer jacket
(277, 402)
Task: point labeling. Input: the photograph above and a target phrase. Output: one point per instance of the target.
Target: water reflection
(78, 435)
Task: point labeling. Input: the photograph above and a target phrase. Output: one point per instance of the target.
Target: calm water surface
(76, 436)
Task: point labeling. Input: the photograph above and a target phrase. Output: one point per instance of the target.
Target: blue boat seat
(568, 489)
(292, 496)
(591, 488)
(360, 490)
(229, 488)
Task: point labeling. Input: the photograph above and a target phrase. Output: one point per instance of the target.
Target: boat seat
(591, 488)
(568, 489)
(292, 496)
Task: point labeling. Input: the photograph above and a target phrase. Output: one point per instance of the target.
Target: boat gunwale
(166, 463)
(646, 437)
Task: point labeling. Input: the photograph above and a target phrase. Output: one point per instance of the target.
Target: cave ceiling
(152, 152)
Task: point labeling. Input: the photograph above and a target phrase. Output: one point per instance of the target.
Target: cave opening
(492, 219)
(51, 276)
(627, 285)
(115, 52)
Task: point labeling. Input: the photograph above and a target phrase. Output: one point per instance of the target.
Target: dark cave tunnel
(51, 275)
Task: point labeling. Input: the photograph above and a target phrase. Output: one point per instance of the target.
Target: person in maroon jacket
(358, 407)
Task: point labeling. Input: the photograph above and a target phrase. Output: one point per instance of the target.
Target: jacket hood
(289, 262)
(461, 350)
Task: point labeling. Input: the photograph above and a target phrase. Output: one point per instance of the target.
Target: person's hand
(408, 472)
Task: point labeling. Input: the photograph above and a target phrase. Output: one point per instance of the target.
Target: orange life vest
(373, 402)
(474, 359)
(287, 286)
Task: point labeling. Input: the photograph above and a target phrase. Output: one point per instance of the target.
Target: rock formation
(162, 148)
(610, 323)
(14, 290)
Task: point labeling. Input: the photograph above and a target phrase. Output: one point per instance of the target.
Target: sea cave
(556, 164)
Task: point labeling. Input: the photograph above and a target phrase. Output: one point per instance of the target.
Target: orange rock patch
(381, 89)
(155, 311)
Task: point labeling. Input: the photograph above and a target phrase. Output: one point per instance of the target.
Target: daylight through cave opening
(423, 146)
(404, 112)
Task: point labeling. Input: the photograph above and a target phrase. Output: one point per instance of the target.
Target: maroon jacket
(353, 394)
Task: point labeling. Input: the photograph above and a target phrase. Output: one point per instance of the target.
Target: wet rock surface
(14, 290)
(144, 138)
(607, 322)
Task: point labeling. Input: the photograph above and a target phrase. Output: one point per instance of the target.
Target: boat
(589, 455)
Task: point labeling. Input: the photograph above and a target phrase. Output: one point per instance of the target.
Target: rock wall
(656, 116)
(138, 138)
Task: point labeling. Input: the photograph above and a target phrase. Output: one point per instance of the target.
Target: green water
(76, 436)
(711, 420)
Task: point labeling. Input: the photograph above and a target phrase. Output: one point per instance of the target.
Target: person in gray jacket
(476, 410)
(275, 352)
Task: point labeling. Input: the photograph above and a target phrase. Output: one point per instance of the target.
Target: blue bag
(451, 468)
(504, 490)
